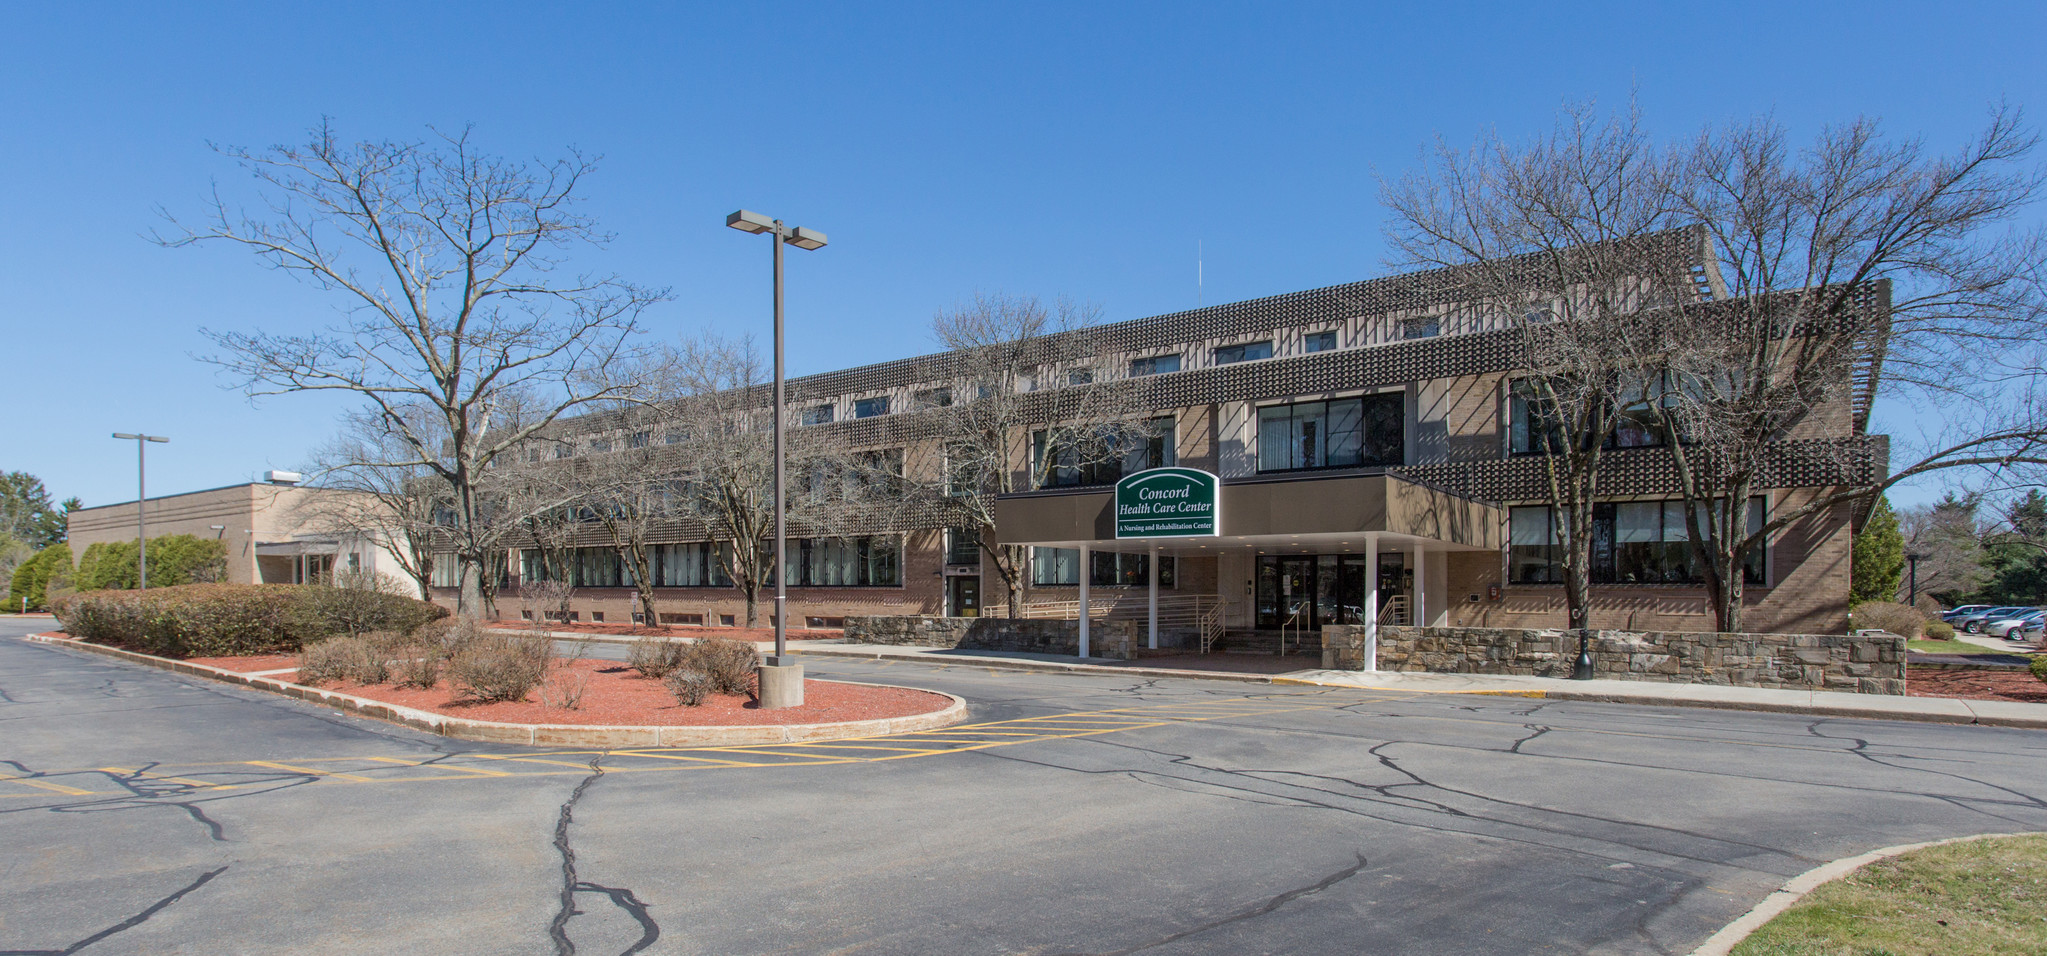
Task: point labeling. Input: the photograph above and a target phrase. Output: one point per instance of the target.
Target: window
(1633, 542)
(817, 415)
(1421, 327)
(564, 450)
(1080, 376)
(1340, 433)
(445, 572)
(1060, 567)
(693, 565)
(870, 407)
(934, 398)
(676, 437)
(1076, 462)
(962, 471)
(600, 444)
(1318, 341)
(1243, 352)
(1154, 365)
(880, 470)
(962, 546)
(1639, 424)
(1533, 425)
(638, 439)
(865, 561)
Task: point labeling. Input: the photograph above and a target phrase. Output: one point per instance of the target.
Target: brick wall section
(1857, 664)
(1113, 639)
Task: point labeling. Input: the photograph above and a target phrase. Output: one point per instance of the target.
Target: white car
(2014, 628)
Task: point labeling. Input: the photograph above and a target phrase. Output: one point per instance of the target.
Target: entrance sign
(1168, 503)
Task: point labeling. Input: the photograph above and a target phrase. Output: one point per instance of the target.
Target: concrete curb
(551, 735)
(1795, 889)
(1959, 711)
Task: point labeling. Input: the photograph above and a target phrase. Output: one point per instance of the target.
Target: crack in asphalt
(624, 899)
(124, 925)
(1249, 913)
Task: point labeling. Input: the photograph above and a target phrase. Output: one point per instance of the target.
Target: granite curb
(550, 735)
(1796, 888)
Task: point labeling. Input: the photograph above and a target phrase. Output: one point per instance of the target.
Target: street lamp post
(141, 500)
(781, 679)
(1913, 561)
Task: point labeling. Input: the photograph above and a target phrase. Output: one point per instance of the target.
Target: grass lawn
(1962, 647)
(1980, 897)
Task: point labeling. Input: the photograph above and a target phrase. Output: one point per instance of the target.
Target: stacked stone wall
(1111, 639)
(1867, 664)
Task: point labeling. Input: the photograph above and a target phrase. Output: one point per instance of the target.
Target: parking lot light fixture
(141, 499)
(781, 679)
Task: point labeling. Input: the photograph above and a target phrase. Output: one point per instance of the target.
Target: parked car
(1973, 623)
(2014, 628)
(1954, 615)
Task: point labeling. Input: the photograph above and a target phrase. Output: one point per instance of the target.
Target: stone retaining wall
(1868, 664)
(1112, 639)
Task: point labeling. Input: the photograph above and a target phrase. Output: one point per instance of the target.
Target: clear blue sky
(1075, 149)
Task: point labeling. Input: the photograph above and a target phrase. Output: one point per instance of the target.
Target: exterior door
(964, 595)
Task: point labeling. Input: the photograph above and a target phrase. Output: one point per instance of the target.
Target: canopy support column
(1153, 641)
(1086, 572)
(1420, 618)
(1371, 655)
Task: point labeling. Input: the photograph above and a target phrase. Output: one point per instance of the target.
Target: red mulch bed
(248, 665)
(755, 634)
(2014, 685)
(618, 696)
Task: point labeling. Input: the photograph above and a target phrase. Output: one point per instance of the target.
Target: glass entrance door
(1310, 590)
(964, 596)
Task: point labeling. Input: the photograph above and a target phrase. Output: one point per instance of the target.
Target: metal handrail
(1291, 619)
(1210, 627)
(1394, 611)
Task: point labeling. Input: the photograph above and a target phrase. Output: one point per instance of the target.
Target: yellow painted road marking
(458, 768)
(52, 787)
(304, 770)
(140, 775)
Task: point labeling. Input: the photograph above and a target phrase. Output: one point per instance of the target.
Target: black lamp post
(1912, 561)
(1581, 669)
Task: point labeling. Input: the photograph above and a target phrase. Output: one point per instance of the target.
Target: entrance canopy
(1306, 515)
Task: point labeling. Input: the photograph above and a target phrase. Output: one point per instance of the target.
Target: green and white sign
(1168, 503)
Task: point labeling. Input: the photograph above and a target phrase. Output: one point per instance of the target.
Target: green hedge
(174, 559)
(217, 620)
(33, 577)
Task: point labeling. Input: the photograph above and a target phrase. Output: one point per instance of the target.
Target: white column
(1419, 617)
(1153, 642)
(1084, 609)
(1371, 602)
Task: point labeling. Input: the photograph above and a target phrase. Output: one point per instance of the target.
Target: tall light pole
(141, 500)
(781, 679)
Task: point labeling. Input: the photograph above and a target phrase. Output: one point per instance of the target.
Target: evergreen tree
(1877, 564)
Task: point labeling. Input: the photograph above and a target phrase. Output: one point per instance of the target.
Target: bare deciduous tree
(1566, 238)
(449, 263)
(391, 500)
(1025, 371)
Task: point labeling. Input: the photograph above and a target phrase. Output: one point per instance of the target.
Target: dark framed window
(856, 562)
(962, 546)
(1633, 542)
(870, 407)
(1243, 352)
(1069, 460)
(1421, 327)
(1534, 427)
(1154, 365)
(1318, 341)
(934, 398)
(1639, 423)
(600, 445)
(638, 439)
(1357, 432)
(1080, 376)
(818, 415)
(1060, 567)
(695, 564)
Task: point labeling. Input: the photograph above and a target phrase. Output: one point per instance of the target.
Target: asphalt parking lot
(142, 811)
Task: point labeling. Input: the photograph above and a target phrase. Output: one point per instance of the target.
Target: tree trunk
(469, 600)
(752, 604)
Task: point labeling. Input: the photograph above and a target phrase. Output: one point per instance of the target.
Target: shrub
(2038, 667)
(356, 660)
(174, 559)
(564, 688)
(357, 605)
(1939, 631)
(208, 620)
(501, 667)
(33, 578)
(654, 659)
(1900, 619)
(690, 686)
(417, 666)
(728, 663)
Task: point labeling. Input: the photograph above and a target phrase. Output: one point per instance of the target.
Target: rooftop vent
(283, 477)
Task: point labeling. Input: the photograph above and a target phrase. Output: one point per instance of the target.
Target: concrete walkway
(1818, 703)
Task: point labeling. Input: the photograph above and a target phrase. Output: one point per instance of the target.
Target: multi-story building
(1370, 429)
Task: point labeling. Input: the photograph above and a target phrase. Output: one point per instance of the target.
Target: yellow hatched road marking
(52, 787)
(305, 770)
(138, 774)
(433, 765)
